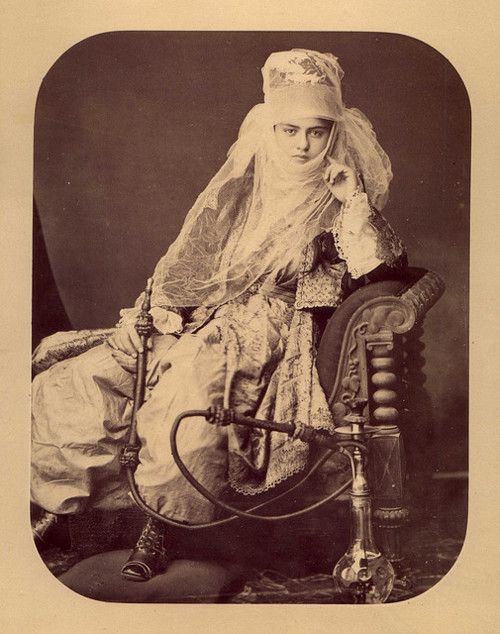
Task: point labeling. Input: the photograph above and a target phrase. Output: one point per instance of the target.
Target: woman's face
(302, 139)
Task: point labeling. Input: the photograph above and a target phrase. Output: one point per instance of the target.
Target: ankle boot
(148, 556)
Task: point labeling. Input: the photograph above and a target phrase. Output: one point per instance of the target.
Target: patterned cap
(303, 83)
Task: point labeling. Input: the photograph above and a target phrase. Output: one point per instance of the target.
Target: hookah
(363, 574)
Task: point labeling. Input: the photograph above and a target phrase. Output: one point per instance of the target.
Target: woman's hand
(125, 344)
(340, 179)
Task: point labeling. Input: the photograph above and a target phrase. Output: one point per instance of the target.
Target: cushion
(184, 581)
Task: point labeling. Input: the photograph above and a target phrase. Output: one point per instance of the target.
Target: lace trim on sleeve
(363, 238)
(355, 238)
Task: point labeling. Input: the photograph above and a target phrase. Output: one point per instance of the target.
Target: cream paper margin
(33, 35)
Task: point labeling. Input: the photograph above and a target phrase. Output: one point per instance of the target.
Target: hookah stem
(144, 329)
(311, 434)
(361, 504)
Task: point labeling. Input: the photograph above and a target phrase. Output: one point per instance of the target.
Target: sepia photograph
(250, 313)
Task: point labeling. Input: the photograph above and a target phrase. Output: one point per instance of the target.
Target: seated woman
(288, 225)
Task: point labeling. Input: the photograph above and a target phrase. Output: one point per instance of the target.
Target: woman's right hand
(125, 344)
(340, 179)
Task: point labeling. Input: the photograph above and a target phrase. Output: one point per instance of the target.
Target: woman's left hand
(340, 179)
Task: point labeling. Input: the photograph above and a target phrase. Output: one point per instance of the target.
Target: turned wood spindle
(384, 380)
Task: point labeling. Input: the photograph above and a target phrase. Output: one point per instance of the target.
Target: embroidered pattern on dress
(298, 397)
(319, 288)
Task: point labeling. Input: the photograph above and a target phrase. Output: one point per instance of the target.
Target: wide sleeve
(364, 239)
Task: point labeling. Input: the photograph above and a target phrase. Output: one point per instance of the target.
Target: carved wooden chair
(370, 349)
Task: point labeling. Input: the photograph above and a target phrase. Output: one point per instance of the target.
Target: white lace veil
(260, 210)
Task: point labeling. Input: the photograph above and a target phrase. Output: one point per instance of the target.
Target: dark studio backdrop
(130, 126)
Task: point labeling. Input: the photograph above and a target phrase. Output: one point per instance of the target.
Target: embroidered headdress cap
(303, 83)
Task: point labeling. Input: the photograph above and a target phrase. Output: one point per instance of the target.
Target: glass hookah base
(366, 579)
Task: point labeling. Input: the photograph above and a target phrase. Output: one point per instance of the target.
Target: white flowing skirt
(82, 410)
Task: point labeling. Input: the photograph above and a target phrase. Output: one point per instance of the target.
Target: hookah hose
(218, 416)
(236, 513)
(228, 417)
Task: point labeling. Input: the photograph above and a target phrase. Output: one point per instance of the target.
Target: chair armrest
(64, 345)
(369, 317)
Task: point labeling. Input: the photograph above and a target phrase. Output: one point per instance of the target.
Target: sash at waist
(202, 314)
(285, 294)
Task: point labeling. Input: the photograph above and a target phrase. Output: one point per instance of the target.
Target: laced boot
(50, 530)
(148, 556)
